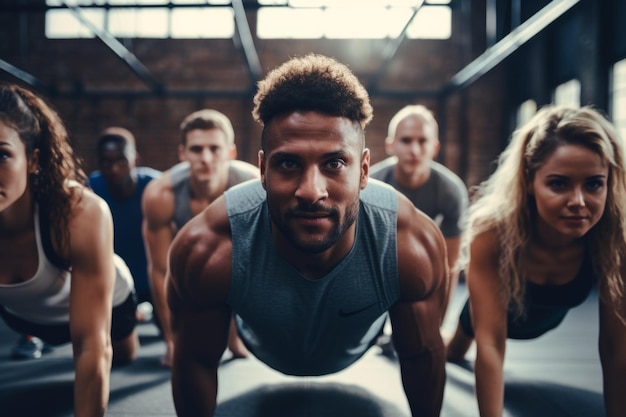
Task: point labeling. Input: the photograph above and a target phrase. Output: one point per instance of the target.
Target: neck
(412, 179)
(124, 191)
(18, 217)
(314, 265)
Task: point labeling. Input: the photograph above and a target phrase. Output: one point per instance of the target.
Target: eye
(557, 184)
(335, 164)
(287, 164)
(4, 155)
(594, 184)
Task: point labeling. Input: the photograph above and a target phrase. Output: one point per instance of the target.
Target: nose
(577, 198)
(206, 155)
(415, 148)
(312, 186)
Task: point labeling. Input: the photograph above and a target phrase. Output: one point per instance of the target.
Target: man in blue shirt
(121, 183)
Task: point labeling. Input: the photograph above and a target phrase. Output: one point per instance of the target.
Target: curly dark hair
(313, 82)
(39, 127)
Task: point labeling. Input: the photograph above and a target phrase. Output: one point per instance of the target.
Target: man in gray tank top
(312, 258)
(413, 142)
(208, 168)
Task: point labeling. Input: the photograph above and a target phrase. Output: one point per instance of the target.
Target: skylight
(277, 19)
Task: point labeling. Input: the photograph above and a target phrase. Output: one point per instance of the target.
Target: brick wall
(79, 67)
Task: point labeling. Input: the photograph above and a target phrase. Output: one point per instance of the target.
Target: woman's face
(14, 167)
(570, 191)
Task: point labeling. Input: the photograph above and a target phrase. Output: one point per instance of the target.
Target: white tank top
(45, 298)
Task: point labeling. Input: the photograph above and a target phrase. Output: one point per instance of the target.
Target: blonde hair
(412, 110)
(502, 202)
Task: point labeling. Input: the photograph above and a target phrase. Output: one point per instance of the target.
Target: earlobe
(365, 167)
(261, 163)
(389, 146)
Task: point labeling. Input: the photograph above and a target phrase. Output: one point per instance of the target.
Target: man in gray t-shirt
(413, 143)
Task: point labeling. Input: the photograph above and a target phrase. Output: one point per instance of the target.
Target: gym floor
(556, 375)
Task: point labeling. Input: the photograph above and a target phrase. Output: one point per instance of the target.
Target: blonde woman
(549, 224)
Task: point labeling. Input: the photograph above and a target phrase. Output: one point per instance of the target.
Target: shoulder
(90, 218)
(200, 256)
(377, 189)
(95, 180)
(486, 245)
(380, 169)
(85, 202)
(147, 173)
(158, 197)
(422, 257)
(445, 175)
(240, 171)
(161, 182)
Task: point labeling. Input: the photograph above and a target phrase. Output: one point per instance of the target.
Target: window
(618, 97)
(151, 21)
(276, 19)
(568, 94)
(353, 19)
(525, 112)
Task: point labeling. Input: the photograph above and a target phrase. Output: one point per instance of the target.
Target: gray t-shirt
(238, 172)
(443, 197)
(300, 326)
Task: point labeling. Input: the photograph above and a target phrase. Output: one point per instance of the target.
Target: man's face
(116, 161)
(415, 144)
(208, 153)
(313, 168)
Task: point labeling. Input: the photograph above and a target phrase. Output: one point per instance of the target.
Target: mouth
(575, 219)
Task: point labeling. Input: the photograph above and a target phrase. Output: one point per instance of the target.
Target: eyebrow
(567, 176)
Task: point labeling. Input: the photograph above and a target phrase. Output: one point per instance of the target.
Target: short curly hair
(312, 83)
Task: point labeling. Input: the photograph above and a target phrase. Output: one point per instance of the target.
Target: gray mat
(556, 375)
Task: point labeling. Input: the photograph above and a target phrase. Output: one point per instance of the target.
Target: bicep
(157, 228)
(416, 326)
(488, 309)
(612, 335)
(93, 270)
(197, 300)
(423, 279)
(453, 245)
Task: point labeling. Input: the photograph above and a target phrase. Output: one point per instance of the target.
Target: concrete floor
(556, 375)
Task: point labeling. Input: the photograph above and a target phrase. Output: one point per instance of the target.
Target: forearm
(91, 385)
(423, 378)
(614, 375)
(194, 390)
(159, 301)
(489, 382)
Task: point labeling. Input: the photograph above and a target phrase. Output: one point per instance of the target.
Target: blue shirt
(127, 220)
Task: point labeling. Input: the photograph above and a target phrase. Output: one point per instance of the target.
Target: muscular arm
(93, 279)
(612, 345)
(489, 314)
(453, 245)
(416, 317)
(158, 211)
(197, 287)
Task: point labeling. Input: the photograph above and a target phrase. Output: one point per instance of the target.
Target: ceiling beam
(391, 47)
(507, 45)
(247, 41)
(24, 76)
(120, 50)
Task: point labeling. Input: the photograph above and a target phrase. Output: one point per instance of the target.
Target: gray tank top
(300, 326)
(238, 172)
